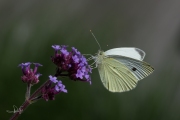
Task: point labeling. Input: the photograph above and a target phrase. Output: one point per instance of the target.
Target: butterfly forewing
(140, 69)
(131, 52)
(116, 77)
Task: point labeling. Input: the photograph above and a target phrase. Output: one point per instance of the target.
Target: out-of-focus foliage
(29, 28)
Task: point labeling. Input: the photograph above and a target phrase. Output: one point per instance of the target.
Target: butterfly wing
(140, 69)
(115, 76)
(134, 53)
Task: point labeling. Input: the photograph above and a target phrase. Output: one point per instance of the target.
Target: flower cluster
(49, 91)
(73, 63)
(69, 63)
(30, 76)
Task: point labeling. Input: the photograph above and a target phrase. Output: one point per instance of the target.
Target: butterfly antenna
(95, 39)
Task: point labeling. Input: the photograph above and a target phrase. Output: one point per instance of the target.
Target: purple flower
(57, 88)
(60, 87)
(73, 63)
(53, 79)
(59, 83)
(38, 74)
(36, 66)
(81, 64)
(30, 76)
(83, 69)
(22, 65)
(76, 51)
(87, 76)
(79, 74)
(49, 91)
(56, 47)
(64, 46)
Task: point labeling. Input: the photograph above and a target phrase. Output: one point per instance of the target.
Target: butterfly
(120, 69)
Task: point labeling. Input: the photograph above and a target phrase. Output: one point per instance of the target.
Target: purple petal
(37, 75)
(56, 47)
(83, 60)
(57, 88)
(81, 64)
(75, 58)
(63, 89)
(22, 65)
(86, 76)
(83, 69)
(79, 74)
(64, 46)
(76, 51)
(37, 64)
(65, 52)
(59, 83)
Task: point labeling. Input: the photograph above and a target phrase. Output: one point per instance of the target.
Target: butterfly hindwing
(140, 69)
(116, 77)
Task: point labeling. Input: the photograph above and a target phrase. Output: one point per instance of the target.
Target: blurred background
(29, 28)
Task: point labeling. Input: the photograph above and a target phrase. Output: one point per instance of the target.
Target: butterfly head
(100, 53)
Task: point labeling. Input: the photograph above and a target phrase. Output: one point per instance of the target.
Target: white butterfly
(120, 69)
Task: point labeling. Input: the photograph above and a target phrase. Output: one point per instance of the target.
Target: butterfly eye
(100, 53)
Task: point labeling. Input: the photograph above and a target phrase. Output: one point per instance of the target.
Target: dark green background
(28, 28)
